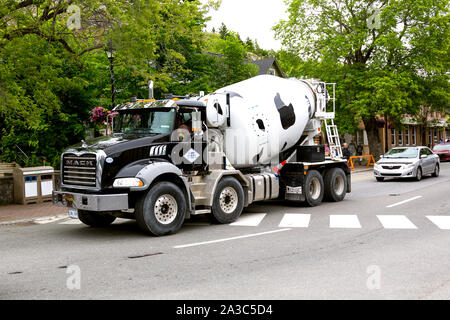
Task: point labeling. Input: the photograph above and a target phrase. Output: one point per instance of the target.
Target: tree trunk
(375, 145)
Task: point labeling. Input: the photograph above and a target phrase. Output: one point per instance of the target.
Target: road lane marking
(404, 201)
(295, 220)
(71, 221)
(344, 221)
(362, 178)
(396, 222)
(442, 222)
(46, 220)
(249, 220)
(229, 239)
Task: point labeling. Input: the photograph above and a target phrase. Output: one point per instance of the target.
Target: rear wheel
(436, 171)
(314, 189)
(380, 179)
(419, 174)
(335, 185)
(162, 209)
(95, 219)
(228, 201)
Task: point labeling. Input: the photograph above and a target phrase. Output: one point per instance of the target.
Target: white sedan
(407, 162)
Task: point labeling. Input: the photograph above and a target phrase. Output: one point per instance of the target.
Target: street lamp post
(110, 54)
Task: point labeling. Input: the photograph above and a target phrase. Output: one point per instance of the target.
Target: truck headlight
(128, 182)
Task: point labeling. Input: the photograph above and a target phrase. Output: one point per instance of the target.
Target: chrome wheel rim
(436, 171)
(228, 200)
(338, 185)
(314, 188)
(165, 209)
(419, 174)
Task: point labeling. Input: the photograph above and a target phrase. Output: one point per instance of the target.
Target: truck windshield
(144, 121)
(402, 153)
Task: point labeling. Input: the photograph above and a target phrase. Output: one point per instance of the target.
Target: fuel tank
(260, 117)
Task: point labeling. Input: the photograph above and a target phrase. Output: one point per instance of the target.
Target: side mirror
(423, 156)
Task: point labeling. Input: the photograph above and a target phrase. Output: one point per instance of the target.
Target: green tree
(53, 72)
(383, 55)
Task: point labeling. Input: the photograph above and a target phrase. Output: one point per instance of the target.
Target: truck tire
(314, 189)
(95, 219)
(162, 209)
(335, 184)
(228, 201)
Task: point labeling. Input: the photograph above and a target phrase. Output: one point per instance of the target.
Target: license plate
(296, 190)
(73, 213)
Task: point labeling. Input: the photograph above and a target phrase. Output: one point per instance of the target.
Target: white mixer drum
(268, 115)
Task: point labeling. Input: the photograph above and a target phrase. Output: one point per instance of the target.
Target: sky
(250, 18)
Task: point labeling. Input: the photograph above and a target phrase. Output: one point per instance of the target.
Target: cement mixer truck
(214, 154)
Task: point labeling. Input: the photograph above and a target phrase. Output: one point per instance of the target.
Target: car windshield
(402, 153)
(142, 121)
(442, 147)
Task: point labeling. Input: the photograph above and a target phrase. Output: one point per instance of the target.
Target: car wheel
(436, 171)
(419, 174)
(380, 179)
(162, 209)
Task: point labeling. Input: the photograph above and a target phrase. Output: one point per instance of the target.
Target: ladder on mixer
(327, 117)
(334, 143)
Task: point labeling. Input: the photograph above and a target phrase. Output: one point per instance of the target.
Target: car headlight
(411, 165)
(377, 166)
(128, 182)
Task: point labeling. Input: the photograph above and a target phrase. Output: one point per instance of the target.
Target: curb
(38, 220)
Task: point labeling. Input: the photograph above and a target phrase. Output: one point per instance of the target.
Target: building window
(271, 71)
(430, 136)
(407, 140)
(393, 140)
(400, 138)
(413, 135)
(435, 136)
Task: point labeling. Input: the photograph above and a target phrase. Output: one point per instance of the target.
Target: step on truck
(214, 154)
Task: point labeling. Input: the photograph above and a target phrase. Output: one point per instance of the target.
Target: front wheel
(314, 189)
(436, 171)
(419, 174)
(162, 209)
(228, 201)
(95, 219)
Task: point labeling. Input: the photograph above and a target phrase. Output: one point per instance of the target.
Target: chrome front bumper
(397, 173)
(90, 202)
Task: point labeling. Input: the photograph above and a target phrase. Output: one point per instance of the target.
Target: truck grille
(79, 170)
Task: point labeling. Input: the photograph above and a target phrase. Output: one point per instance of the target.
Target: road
(386, 240)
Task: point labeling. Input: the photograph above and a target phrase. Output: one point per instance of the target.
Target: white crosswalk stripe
(396, 222)
(344, 221)
(76, 221)
(442, 222)
(301, 220)
(295, 220)
(249, 220)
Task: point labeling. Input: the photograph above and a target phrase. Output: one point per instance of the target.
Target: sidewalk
(24, 213)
